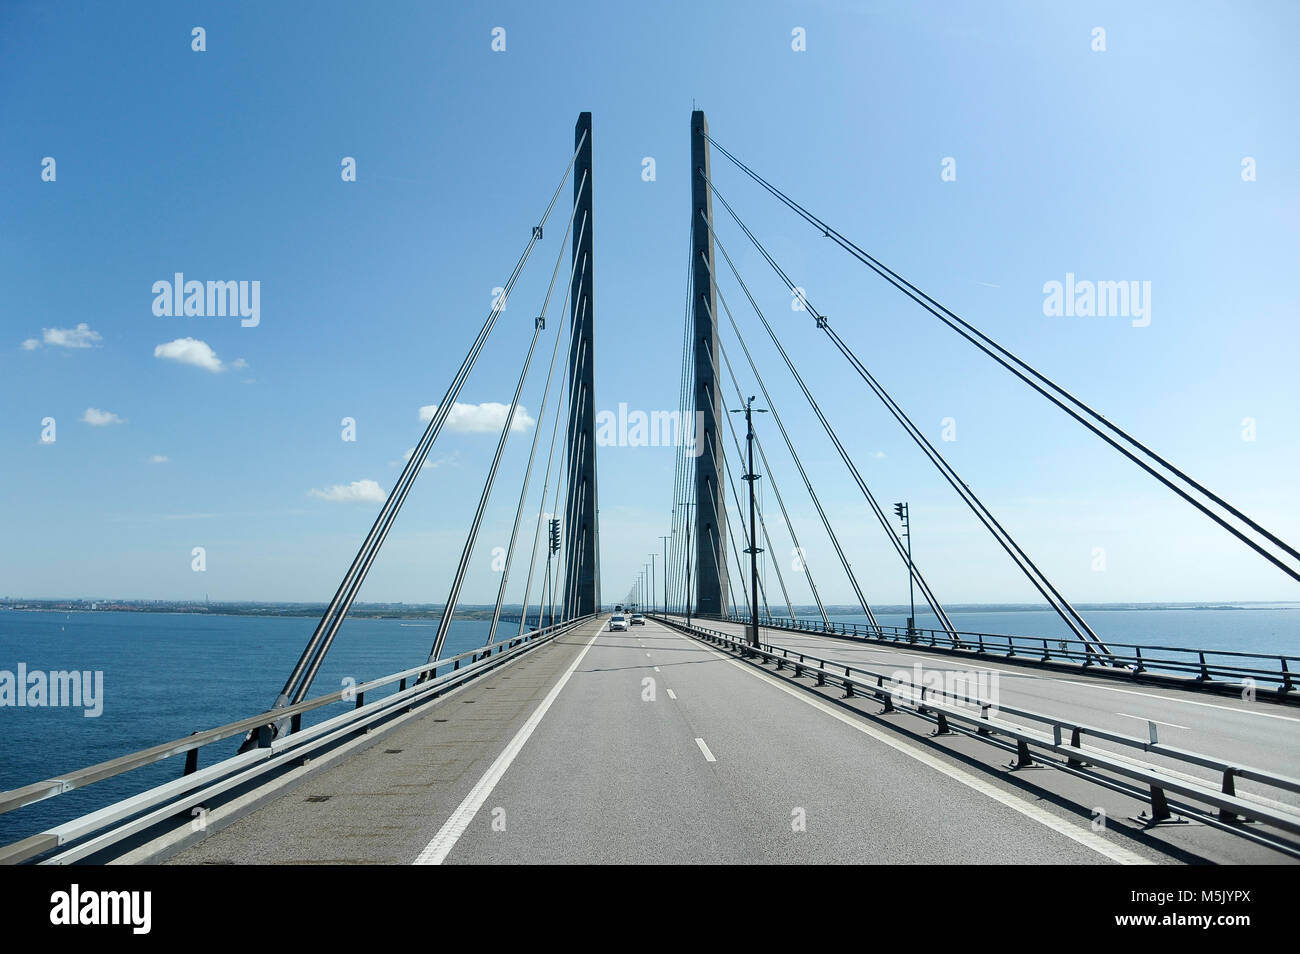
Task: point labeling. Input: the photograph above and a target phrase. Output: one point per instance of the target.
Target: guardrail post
(1047, 653)
(921, 709)
(295, 724)
(981, 643)
(1286, 678)
(1139, 667)
(1023, 759)
(821, 673)
(192, 759)
(984, 714)
(942, 728)
(1205, 673)
(1229, 788)
(1159, 806)
(1074, 743)
(848, 686)
(887, 697)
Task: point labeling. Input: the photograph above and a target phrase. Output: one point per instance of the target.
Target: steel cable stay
(541, 416)
(561, 480)
(731, 536)
(453, 598)
(573, 514)
(844, 456)
(758, 443)
(541, 503)
(826, 524)
(762, 524)
(571, 443)
(1061, 397)
(1073, 620)
(931, 599)
(686, 421)
(440, 416)
(313, 654)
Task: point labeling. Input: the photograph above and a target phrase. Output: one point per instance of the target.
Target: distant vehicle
(638, 619)
(617, 621)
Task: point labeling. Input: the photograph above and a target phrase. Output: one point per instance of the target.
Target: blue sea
(1243, 628)
(169, 674)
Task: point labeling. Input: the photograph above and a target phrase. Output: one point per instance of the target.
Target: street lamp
(901, 510)
(665, 540)
(651, 601)
(753, 551)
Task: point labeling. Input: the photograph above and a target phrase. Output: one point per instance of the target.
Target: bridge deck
(1262, 734)
(716, 769)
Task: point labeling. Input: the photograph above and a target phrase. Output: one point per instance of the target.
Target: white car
(638, 619)
(617, 621)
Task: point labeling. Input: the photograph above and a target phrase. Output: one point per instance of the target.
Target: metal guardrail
(1203, 665)
(972, 717)
(195, 785)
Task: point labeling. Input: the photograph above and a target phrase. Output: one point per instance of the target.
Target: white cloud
(98, 418)
(239, 363)
(359, 490)
(190, 351)
(159, 459)
(485, 418)
(31, 344)
(429, 464)
(78, 337)
(879, 455)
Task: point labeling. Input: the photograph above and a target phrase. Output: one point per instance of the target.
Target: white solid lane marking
(656, 668)
(1172, 725)
(705, 749)
(1190, 702)
(437, 850)
(671, 694)
(1088, 839)
(647, 654)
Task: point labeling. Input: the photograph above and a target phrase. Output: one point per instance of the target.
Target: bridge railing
(1273, 670)
(985, 719)
(414, 686)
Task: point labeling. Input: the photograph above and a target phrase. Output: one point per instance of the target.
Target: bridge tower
(711, 514)
(582, 538)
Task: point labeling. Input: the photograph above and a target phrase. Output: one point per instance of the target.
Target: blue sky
(225, 165)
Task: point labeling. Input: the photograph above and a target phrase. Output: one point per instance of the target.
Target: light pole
(665, 607)
(753, 551)
(905, 518)
(688, 570)
(651, 600)
(688, 504)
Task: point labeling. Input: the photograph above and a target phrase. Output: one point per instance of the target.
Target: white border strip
(437, 850)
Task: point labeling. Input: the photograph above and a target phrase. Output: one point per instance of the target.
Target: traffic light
(555, 535)
(898, 509)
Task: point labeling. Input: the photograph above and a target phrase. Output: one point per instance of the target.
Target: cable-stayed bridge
(705, 719)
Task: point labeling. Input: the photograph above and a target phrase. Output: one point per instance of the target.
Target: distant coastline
(428, 611)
